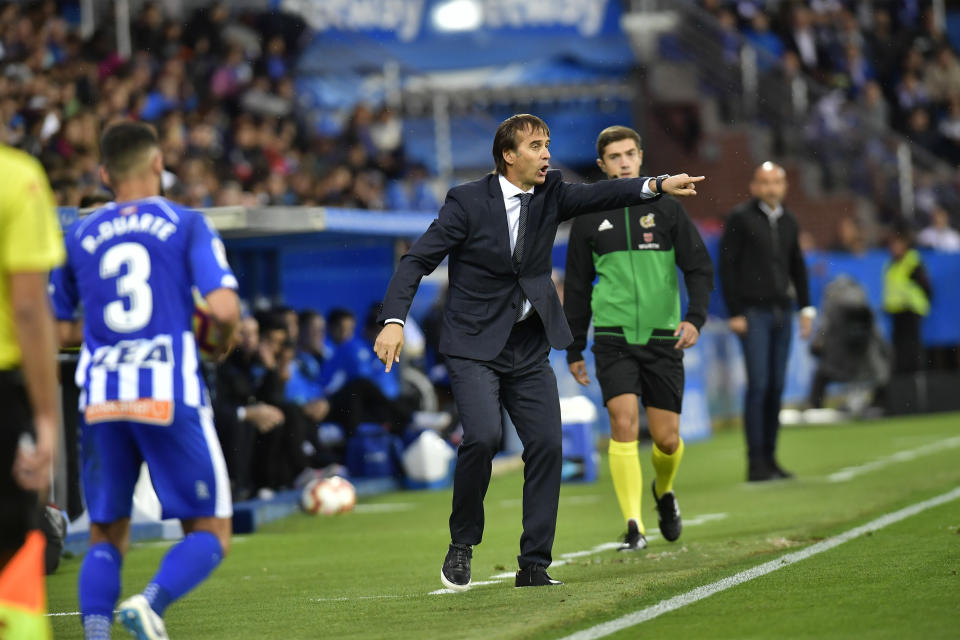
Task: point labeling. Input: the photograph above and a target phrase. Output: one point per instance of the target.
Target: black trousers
(520, 379)
(18, 508)
(908, 356)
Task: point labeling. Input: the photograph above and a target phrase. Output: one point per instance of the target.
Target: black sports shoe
(633, 540)
(535, 576)
(455, 573)
(668, 514)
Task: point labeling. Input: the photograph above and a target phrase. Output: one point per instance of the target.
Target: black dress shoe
(760, 471)
(535, 576)
(668, 514)
(455, 573)
(779, 472)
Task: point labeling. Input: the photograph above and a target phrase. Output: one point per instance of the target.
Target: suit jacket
(484, 284)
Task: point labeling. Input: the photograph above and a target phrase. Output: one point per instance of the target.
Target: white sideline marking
(901, 456)
(384, 507)
(350, 599)
(565, 558)
(682, 600)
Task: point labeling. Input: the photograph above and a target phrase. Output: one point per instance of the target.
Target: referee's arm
(697, 268)
(577, 288)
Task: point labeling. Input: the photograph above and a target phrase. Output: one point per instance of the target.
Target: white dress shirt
(512, 205)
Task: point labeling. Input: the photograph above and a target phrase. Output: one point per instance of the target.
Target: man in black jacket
(502, 316)
(763, 276)
(639, 334)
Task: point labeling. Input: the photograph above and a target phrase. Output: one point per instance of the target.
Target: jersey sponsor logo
(144, 410)
(144, 352)
(648, 237)
(605, 225)
(649, 245)
(647, 221)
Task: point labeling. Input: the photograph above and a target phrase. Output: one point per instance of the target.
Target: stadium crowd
(884, 64)
(298, 386)
(220, 89)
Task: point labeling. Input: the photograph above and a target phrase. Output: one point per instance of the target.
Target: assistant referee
(30, 245)
(639, 334)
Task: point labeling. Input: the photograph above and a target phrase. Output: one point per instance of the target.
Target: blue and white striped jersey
(131, 267)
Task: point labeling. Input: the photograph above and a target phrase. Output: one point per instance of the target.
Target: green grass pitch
(369, 574)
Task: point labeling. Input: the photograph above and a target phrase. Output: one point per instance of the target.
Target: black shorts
(18, 508)
(653, 371)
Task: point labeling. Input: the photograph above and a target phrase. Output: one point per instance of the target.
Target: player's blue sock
(185, 566)
(99, 587)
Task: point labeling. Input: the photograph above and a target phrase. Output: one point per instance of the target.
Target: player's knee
(224, 540)
(668, 443)
(624, 427)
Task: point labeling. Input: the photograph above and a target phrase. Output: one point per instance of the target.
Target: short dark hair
(122, 146)
(616, 133)
(337, 315)
(506, 137)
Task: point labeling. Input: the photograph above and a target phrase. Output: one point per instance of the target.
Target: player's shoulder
(20, 170)
(14, 162)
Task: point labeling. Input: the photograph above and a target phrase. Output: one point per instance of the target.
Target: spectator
(849, 237)
(767, 43)
(940, 235)
(942, 77)
(906, 298)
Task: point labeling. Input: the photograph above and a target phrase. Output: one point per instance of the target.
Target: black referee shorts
(18, 508)
(653, 371)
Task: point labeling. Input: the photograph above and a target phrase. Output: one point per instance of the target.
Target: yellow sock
(666, 467)
(627, 479)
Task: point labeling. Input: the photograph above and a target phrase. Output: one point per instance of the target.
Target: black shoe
(668, 514)
(633, 540)
(455, 573)
(779, 472)
(535, 576)
(760, 471)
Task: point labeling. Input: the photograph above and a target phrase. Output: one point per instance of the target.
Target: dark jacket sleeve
(731, 247)
(578, 287)
(444, 234)
(694, 262)
(798, 272)
(578, 199)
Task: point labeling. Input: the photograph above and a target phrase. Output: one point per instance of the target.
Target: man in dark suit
(763, 277)
(502, 315)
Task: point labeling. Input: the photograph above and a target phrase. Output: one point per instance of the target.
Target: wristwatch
(660, 180)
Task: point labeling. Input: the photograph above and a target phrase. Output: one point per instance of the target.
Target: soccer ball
(328, 496)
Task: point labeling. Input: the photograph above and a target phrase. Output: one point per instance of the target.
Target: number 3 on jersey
(132, 286)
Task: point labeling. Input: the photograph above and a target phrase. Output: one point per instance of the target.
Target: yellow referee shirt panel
(30, 238)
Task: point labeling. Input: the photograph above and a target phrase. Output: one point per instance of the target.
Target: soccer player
(639, 336)
(30, 245)
(131, 265)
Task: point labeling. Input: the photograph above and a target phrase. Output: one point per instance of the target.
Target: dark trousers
(766, 346)
(908, 356)
(521, 379)
(18, 508)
